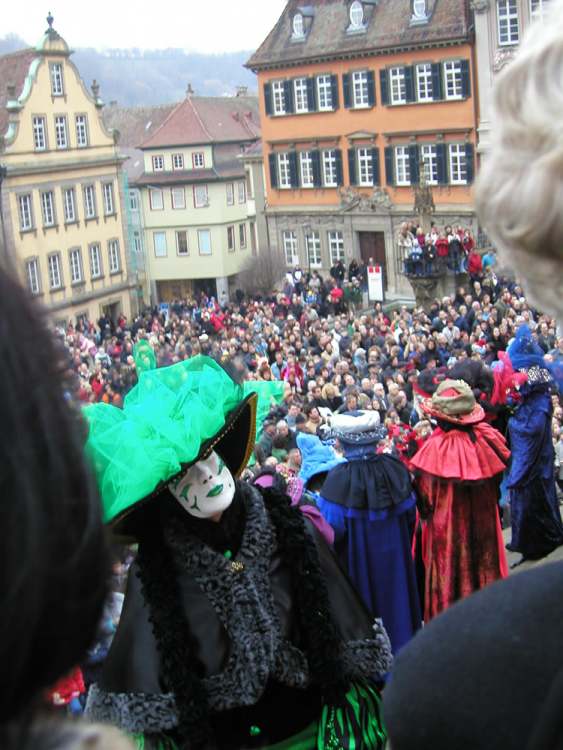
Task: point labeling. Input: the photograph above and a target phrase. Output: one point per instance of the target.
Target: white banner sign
(375, 283)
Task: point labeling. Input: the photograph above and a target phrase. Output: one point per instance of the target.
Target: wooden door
(372, 250)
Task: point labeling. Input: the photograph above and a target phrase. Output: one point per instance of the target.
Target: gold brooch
(237, 567)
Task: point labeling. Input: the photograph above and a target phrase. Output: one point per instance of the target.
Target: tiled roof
(388, 27)
(199, 120)
(13, 70)
(135, 124)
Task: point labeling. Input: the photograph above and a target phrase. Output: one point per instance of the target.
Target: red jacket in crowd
(442, 247)
(475, 264)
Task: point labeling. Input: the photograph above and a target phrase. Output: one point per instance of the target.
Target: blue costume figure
(536, 522)
(370, 503)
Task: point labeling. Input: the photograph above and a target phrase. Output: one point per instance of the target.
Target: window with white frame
(458, 164)
(89, 202)
(429, 157)
(39, 134)
(109, 203)
(230, 238)
(204, 241)
(242, 235)
(137, 243)
(508, 22)
(306, 168)
(75, 263)
(242, 191)
(54, 268)
(278, 97)
(419, 10)
(230, 194)
(201, 197)
(301, 100)
(336, 247)
(95, 261)
(298, 26)
(114, 256)
(284, 171)
(26, 212)
(330, 173)
(48, 208)
(360, 88)
(398, 85)
(365, 166)
(178, 198)
(81, 123)
(182, 242)
(61, 135)
(324, 93)
(424, 82)
(158, 163)
(156, 199)
(538, 9)
(313, 245)
(177, 161)
(198, 160)
(453, 79)
(134, 200)
(69, 205)
(159, 241)
(356, 15)
(32, 269)
(402, 166)
(57, 87)
(289, 240)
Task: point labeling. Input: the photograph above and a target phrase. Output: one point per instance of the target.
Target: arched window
(298, 25)
(356, 15)
(419, 9)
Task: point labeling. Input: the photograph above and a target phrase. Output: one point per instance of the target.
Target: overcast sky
(195, 25)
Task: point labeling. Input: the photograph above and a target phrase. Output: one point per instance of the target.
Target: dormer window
(419, 14)
(298, 26)
(356, 16)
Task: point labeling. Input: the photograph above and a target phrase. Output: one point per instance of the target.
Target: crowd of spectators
(330, 357)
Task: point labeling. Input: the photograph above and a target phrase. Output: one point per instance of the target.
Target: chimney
(242, 91)
(189, 92)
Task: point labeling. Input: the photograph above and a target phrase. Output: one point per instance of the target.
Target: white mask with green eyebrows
(207, 489)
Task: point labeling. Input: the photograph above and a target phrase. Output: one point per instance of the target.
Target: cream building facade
(62, 192)
(499, 29)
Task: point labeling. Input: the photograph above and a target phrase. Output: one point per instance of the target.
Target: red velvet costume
(458, 483)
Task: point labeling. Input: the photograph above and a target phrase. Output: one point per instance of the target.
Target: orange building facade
(356, 99)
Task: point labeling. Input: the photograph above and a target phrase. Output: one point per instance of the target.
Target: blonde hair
(520, 189)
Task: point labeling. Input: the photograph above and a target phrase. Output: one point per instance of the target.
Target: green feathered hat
(174, 417)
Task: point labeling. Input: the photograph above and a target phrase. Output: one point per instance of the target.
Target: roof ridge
(162, 124)
(205, 130)
(4, 55)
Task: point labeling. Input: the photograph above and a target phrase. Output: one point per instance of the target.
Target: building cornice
(357, 54)
(479, 6)
(436, 132)
(63, 166)
(94, 294)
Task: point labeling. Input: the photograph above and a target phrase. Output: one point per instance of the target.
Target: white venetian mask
(207, 489)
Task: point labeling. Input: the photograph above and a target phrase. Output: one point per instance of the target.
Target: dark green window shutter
(371, 88)
(312, 94)
(273, 159)
(390, 165)
(384, 83)
(347, 90)
(437, 86)
(293, 169)
(441, 163)
(316, 161)
(470, 162)
(352, 171)
(288, 97)
(339, 175)
(375, 164)
(268, 98)
(335, 97)
(414, 164)
(409, 83)
(465, 79)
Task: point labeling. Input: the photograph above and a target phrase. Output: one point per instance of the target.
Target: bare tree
(262, 274)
